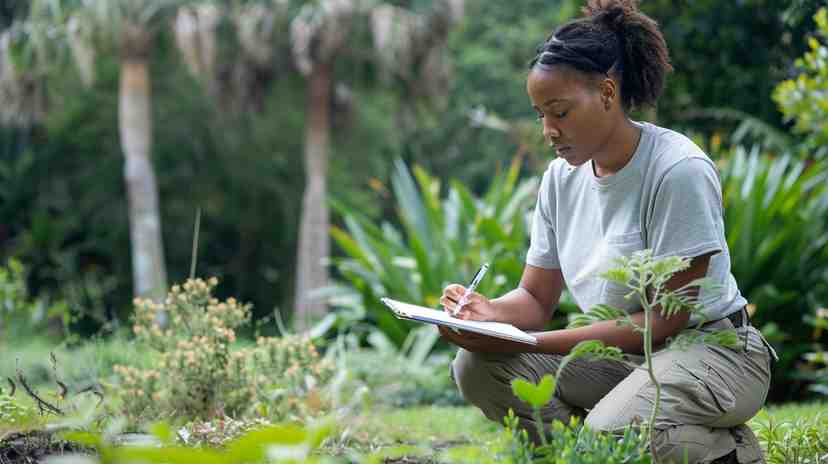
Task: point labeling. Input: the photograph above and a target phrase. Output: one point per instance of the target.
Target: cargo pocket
(748, 450)
(710, 398)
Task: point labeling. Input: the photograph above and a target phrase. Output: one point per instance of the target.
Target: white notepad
(431, 316)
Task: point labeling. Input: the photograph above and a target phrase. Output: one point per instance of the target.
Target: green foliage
(596, 313)
(803, 99)
(593, 350)
(14, 413)
(708, 38)
(19, 313)
(439, 241)
(488, 117)
(574, 443)
(409, 375)
(817, 369)
(641, 273)
(801, 440)
(775, 215)
(536, 395)
(273, 443)
(200, 373)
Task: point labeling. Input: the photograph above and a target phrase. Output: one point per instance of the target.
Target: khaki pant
(707, 393)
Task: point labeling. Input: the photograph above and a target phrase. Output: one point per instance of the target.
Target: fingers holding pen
(451, 296)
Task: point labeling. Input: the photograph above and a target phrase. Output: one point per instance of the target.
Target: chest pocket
(618, 246)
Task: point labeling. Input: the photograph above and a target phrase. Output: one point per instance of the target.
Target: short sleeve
(686, 217)
(543, 245)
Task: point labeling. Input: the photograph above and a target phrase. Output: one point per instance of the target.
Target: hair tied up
(614, 14)
(612, 39)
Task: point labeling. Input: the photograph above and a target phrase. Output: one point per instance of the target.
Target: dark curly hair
(613, 38)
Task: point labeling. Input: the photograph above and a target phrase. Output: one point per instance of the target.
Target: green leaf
(166, 455)
(536, 395)
(163, 432)
(619, 275)
(251, 447)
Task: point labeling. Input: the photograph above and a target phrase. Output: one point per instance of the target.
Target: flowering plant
(202, 373)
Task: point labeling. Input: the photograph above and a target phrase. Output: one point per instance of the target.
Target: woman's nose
(550, 133)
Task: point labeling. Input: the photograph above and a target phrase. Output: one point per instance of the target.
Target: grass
(79, 366)
(425, 425)
(430, 434)
(791, 412)
(424, 434)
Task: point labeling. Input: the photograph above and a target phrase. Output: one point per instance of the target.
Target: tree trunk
(149, 274)
(314, 245)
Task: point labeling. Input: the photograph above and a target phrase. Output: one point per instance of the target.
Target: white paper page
(420, 312)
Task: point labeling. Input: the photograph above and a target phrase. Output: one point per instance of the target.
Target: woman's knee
(474, 376)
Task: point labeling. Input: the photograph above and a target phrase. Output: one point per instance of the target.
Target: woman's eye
(540, 116)
(562, 114)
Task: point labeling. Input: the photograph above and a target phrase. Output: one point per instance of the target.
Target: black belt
(739, 318)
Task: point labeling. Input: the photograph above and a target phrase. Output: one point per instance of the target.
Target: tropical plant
(438, 241)
(775, 215)
(803, 99)
(125, 28)
(409, 45)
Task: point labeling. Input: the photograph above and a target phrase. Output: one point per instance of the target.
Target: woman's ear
(608, 91)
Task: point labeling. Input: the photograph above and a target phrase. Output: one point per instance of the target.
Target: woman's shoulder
(670, 149)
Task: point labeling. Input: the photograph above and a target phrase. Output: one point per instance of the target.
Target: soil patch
(32, 447)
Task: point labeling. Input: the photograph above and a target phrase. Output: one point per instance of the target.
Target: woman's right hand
(476, 308)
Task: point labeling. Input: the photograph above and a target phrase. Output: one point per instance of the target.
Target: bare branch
(41, 403)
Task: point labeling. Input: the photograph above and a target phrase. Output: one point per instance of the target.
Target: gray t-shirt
(667, 198)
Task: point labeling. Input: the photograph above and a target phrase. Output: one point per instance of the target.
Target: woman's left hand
(478, 343)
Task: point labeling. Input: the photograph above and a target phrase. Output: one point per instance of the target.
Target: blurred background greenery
(425, 177)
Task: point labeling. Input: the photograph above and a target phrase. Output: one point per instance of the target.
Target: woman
(618, 186)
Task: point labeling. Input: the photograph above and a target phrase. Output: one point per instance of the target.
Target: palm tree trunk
(149, 273)
(314, 247)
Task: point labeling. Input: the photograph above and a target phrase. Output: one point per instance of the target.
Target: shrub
(408, 376)
(19, 313)
(775, 217)
(574, 443)
(201, 373)
(803, 99)
(799, 441)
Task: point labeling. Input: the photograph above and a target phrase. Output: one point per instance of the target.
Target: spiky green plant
(439, 239)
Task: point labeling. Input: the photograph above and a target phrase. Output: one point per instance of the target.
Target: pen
(470, 289)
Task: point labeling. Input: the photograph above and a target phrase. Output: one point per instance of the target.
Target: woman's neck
(620, 147)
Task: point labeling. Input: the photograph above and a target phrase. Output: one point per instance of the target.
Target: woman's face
(573, 112)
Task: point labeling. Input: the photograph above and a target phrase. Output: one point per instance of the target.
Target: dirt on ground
(33, 447)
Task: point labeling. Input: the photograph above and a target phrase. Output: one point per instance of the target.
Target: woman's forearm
(609, 332)
(521, 309)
